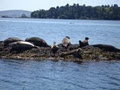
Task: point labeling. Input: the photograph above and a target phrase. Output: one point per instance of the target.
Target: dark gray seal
(10, 40)
(106, 47)
(37, 41)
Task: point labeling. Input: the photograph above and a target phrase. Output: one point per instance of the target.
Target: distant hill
(15, 13)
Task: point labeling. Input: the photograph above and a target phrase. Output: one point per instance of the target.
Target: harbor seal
(84, 43)
(54, 48)
(21, 45)
(107, 47)
(66, 42)
(9, 40)
(37, 41)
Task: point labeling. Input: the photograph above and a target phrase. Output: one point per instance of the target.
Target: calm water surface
(99, 31)
(60, 75)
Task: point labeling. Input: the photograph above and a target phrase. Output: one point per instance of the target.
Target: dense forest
(76, 11)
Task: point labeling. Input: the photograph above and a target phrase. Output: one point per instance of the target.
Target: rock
(101, 57)
(54, 49)
(21, 45)
(37, 41)
(106, 47)
(11, 40)
(73, 46)
(70, 47)
(88, 52)
(1, 46)
(76, 53)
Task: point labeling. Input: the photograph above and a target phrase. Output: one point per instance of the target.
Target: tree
(24, 16)
(76, 11)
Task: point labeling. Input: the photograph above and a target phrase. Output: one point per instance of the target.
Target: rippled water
(99, 31)
(59, 75)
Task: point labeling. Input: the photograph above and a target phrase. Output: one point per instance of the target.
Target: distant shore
(76, 11)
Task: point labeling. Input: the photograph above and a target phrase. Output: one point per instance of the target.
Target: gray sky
(32, 5)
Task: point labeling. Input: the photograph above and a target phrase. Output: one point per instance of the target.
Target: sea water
(60, 75)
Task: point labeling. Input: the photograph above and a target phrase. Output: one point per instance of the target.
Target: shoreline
(58, 19)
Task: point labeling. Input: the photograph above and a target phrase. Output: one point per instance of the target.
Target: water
(60, 75)
(99, 31)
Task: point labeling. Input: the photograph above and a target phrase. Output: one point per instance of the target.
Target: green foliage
(23, 16)
(76, 11)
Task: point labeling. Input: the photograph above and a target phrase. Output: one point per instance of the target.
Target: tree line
(76, 11)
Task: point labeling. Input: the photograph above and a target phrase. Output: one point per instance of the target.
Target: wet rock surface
(73, 52)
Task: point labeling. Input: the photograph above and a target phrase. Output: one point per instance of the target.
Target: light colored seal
(21, 45)
(66, 41)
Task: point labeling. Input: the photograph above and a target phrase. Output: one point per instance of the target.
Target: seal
(66, 41)
(21, 45)
(106, 47)
(9, 40)
(84, 43)
(37, 41)
(54, 48)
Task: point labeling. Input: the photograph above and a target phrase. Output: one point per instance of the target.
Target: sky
(32, 5)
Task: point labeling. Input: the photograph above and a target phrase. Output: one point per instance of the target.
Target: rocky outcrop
(37, 41)
(27, 50)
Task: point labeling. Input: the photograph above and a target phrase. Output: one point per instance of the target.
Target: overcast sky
(32, 5)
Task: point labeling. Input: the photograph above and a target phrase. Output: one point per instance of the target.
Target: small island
(37, 48)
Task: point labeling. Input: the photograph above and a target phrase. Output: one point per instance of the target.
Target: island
(35, 48)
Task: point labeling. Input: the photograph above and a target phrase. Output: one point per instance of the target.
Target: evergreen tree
(76, 11)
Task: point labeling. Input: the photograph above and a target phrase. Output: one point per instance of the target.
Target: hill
(15, 13)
